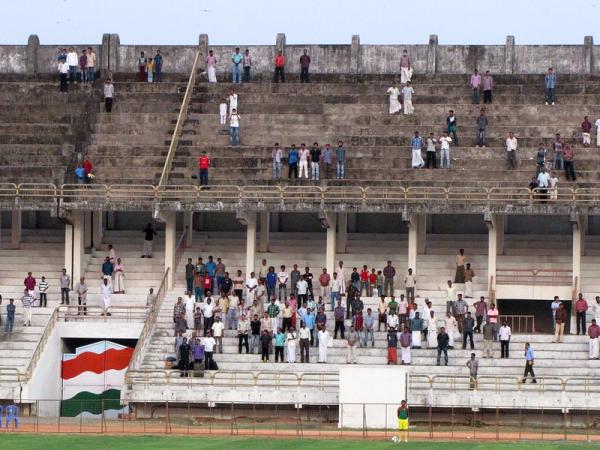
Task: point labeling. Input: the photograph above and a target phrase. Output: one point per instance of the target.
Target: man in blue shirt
(416, 143)
(211, 269)
(158, 62)
(271, 283)
(293, 162)
(529, 358)
(80, 174)
(237, 59)
(309, 321)
(340, 155)
(550, 84)
(10, 316)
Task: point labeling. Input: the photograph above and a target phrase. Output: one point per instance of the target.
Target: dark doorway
(540, 309)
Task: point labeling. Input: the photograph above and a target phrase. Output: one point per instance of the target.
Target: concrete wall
(367, 59)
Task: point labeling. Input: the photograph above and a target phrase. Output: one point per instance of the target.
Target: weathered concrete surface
(13, 59)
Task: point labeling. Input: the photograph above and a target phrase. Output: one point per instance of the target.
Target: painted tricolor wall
(92, 379)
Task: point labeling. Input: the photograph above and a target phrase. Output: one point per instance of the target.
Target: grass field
(92, 442)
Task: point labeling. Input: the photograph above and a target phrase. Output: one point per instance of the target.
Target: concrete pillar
(351, 222)
(113, 55)
(33, 44)
(495, 224)
(578, 226)
(97, 229)
(421, 234)
(15, 232)
(330, 250)
(413, 241)
(432, 54)
(170, 245)
(342, 234)
(188, 221)
(74, 246)
(509, 55)
(103, 57)
(250, 242)
(588, 59)
(87, 229)
(355, 55)
(263, 242)
(280, 43)
(203, 44)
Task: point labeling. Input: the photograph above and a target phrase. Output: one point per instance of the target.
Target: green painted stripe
(93, 403)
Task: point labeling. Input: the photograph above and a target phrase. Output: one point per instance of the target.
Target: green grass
(79, 442)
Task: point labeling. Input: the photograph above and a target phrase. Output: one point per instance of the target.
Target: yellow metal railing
(180, 120)
(37, 354)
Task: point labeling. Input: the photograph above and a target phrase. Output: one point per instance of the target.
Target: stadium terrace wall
(352, 58)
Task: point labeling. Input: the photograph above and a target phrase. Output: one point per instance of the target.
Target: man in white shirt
(554, 306)
(72, 62)
(543, 180)
(234, 128)
(207, 312)
(209, 348)
(106, 290)
(233, 101)
(302, 290)
(504, 335)
(251, 285)
(450, 296)
(217, 332)
(282, 279)
(63, 71)
(409, 284)
(392, 320)
(336, 290)
(445, 150)
(303, 156)
(407, 93)
(511, 151)
(277, 155)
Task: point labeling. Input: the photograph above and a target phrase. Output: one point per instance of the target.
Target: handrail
(145, 334)
(181, 246)
(41, 345)
(180, 119)
(77, 313)
(519, 323)
(534, 277)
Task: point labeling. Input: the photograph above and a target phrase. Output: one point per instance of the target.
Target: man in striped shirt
(43, 287)
(27, 303)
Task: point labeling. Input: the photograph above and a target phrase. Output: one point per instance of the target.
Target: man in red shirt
(586, 128)
(87, 167)
(324, 280)
(279, 67)
(581, 307)
(594, 332)
(364, 280)
(203, 165)
(29, 282)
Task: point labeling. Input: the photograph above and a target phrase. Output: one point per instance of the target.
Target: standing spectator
(282, 279)
(324, 283)
(560, 319)
(158, 63)
(594, 333)
(395, 105)
(303, 156)
(482, 123)
(569, 156)
(407, 93)
(217, 332)
(72, 62)
(369, 326)
(10, 316)
(279, 67)
(586, 129)
(557, 150)
(504, 334)
(488, 84)
(416, 325)
(290, 342)
(430, 159)
(149, 233)
(324, 340)
(277, 156)
(336, 290)
(142, 62)
(392, 346)
(119, 274)
(304, 66)
(237, 59)
(529, 360)
(109, 92)
(209, 346)
(389, 272)
(597, 124)
(27, 301)
(30, 283)
(328, 161)
(469, 274)
(82, 64)
(293, 162)
(247, 63)
(271, 282)
(460, 259)
(234, 129)
(243, 328)
(450, 296)
(338, 315)
(452, 126)
(405, 67)
(445, 150)
(63, 71)
(451, 327)
(211, 67)
(43, 288)
(475, 83)
(106, 291)
(409, 283)
(352, 339)
(460, 310)
(540, 158)
(405, 345)
(488, 339)
(581, 307)
(90, 65)
(473, 366)
(150, 70)
(442, 340)
(364, 281)
(596, 310)
(65, 287)
(480, 310)
(255, 333)
(492, 313)
(550, 84)
(315, 159)
(203, 166)
(81, 289)
(416, 144)
(512, 146)
(468, 325)
(189, 275)
(223, 112)
(304, 335)
(340, 156)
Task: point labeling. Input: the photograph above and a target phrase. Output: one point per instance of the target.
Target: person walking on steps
(529, 359)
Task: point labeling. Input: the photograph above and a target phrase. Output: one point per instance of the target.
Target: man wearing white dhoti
(416, 326)
(451, 325)
(324, 343)
(407, 93)
(190, 307)
(119, 274)
(395, 105)
(405, 343)
(406, 70)
(432, 331)
(594, 334)
(106, 290)
(211, 67)
(342, 277)
(416, 143)
(290, 342)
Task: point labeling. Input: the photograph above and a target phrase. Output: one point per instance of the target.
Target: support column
(495, 224)
(432, 54)
(355, 54)
(265, 226)
(330, 251)
(97, 229)
(250, 218)
(170, 245)
(509, 55)
(87, 228)
(15, 232)
(188, 221)
(578, 226)
(74, 246)
(413, 241)
(342, 235)
(422, 234)
(588, 59)
(280, 43)
(203, 44)
(351, 222)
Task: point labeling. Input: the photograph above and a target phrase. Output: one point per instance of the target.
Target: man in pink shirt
(488, 84)
(475, 85)
(29, 282)
(581, 307)
(324, 280)
(405, 67)
(594, 333)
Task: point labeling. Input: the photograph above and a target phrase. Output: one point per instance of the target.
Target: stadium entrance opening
(540, 310)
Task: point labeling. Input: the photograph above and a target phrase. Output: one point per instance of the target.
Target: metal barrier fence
(74, 313)
(347, 421)
(518, 323)
(535, 277)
